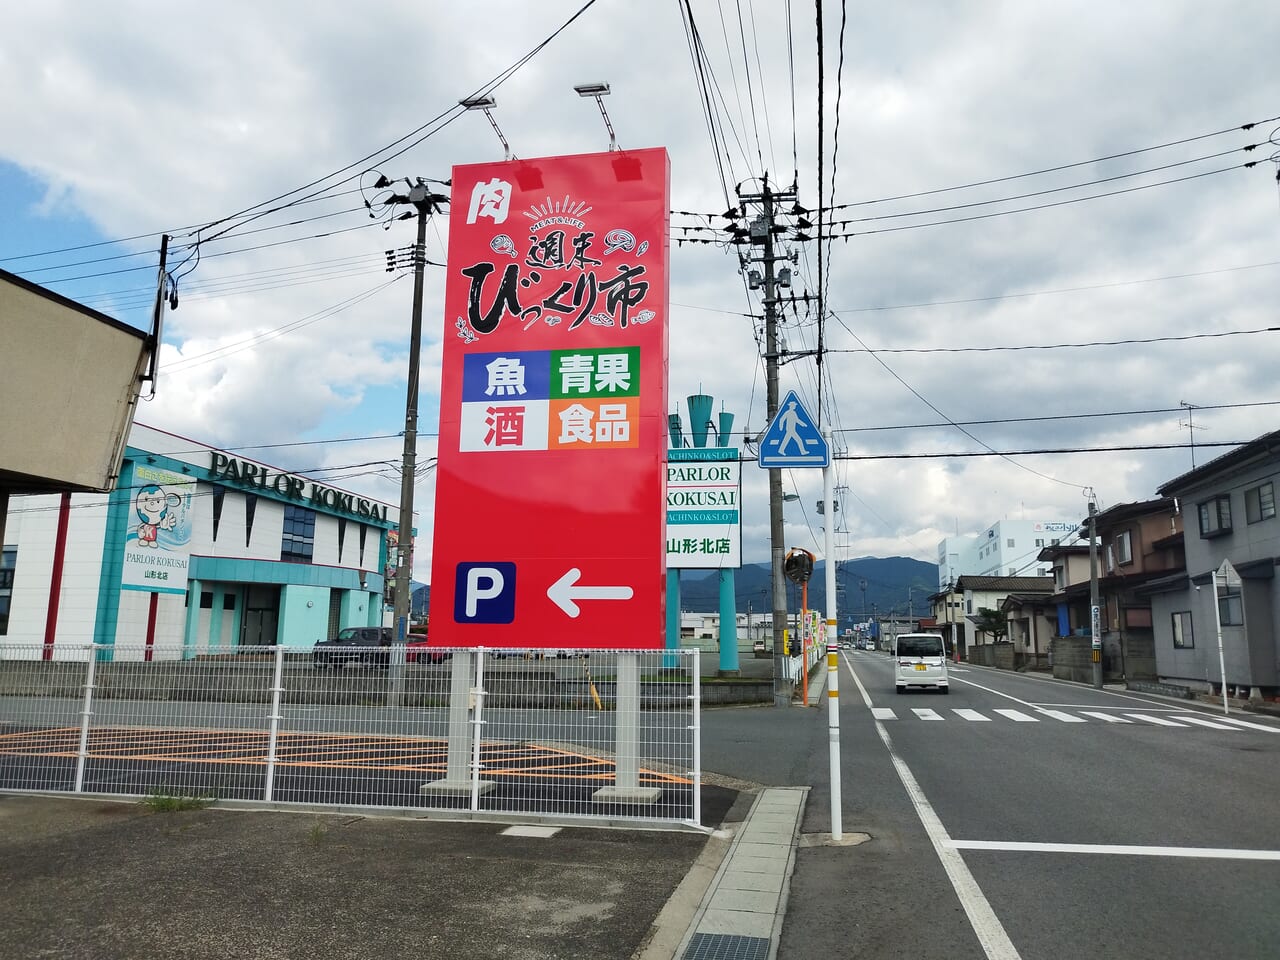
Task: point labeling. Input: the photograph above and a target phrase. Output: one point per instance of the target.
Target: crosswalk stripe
(1203, 722)
(1110, 718)
(1017, 715)
(1249, 724)
(1064, 717)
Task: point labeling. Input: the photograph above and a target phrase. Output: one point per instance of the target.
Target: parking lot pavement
(102, 880)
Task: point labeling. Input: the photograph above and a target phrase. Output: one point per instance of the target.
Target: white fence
(610, 735)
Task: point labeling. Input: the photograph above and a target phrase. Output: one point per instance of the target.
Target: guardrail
(611, 735)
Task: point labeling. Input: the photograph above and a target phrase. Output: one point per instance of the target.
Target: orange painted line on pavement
(39, 733)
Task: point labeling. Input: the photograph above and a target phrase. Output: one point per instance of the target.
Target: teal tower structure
(701, 427)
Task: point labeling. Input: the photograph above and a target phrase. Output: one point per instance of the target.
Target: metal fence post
(268, 793)
(696, 730)
(477, 720)
(85, 713)
(626, 751)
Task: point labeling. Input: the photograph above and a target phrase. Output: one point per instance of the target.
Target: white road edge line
(1110, 693)
(990, 932)
(1124, 850)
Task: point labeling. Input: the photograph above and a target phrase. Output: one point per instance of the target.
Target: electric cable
(1066, 166)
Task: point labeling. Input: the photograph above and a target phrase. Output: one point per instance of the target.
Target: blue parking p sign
(485, 592)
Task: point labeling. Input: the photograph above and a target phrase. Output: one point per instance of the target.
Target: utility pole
(761, 232)
(426, 202)
(164, 291)
(1095, 612)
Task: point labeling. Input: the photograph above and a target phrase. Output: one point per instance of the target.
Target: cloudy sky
(127, 120)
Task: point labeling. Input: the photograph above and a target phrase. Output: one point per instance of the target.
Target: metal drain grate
(726, 946)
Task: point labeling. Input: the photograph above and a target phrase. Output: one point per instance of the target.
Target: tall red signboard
(550, 507)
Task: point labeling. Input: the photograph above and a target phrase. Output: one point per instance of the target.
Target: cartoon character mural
(157, 510)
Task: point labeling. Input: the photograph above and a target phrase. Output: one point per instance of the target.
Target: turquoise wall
(302, 625)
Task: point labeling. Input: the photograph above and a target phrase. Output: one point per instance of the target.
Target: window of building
(1040, 543)
(1124, 547)
(206, 600)
(297, 543)
(8, 562)
(1231, 608)
(1182, 634)
(1215, 517)
(342, 535)
(1010, 542)
(1259, 503)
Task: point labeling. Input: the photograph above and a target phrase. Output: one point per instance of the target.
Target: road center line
(990, 932)
(1125, 850)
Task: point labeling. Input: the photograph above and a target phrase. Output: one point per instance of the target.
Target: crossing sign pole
(833, 651)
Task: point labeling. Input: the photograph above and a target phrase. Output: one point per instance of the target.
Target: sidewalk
(740, 912)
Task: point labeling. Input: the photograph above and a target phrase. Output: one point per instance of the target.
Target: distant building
(1008, 548)
(196, 549)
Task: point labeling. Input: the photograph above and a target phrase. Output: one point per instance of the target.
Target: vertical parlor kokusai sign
(550, 506)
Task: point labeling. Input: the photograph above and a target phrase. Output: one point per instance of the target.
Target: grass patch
(161, 801)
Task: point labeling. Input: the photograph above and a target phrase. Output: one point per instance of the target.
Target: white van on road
(920, 660)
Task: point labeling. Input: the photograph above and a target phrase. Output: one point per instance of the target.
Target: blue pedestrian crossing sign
(792, 439)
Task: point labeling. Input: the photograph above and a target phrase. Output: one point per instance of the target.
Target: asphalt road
(1051, 769)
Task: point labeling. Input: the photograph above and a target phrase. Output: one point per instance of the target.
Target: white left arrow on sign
(565, 591)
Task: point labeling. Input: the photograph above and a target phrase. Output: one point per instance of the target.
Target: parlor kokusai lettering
(243, 473)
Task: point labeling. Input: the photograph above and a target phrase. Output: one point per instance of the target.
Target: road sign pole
(1222, 660)
(1095, 610)
(833, 653)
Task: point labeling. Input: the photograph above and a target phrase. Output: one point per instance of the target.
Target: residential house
(1232, 540)
(1070, 565)
(989, 593)
(947, 607)
(1031, 619)
(1138, 543)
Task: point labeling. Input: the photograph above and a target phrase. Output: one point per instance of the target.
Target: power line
(1173, 338)
(1011, 296)
(1045, 206)
(1042, 193)
(226, 350)
(444, 119)
(1027, 453)
(1066, 166)
(926, 402)
(828, 236)
(1061, 416)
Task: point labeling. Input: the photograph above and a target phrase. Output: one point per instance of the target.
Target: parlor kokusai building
(196, 548)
